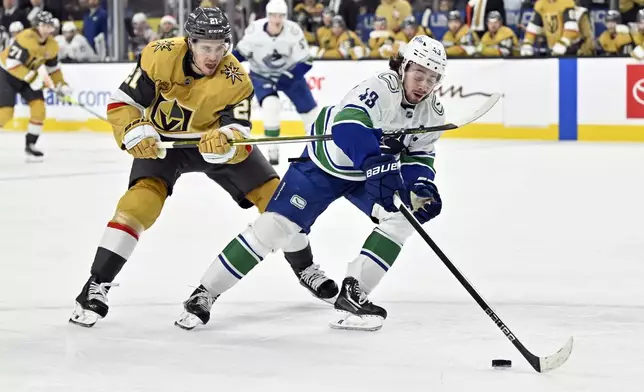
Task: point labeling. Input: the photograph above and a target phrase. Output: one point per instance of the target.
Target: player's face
(326, 19)
(167, 27)
(454, 25)
(420, 81)
(276, 20)
(409, 31)
(336, 30)
(379, 26)
(207, 55)
(493, 25)
(45, 30)
(611, 26)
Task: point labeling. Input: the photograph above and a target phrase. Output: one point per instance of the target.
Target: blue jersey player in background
(278, 55)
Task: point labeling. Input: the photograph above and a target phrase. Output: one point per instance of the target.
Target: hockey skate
(358, 313)
(273, 155)
(320, 286)
(33, 155)
(91, 303)
(197, 309)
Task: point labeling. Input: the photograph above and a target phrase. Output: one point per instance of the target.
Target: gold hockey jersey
(347, 45)
(556, 19)
(585, 42)
(180, 104)
(323, 35)
(501, 44)
(463, 43)
(23, 58)
(381, 44)
(616, 43)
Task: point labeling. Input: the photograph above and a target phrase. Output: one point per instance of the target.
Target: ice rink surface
(551, 234)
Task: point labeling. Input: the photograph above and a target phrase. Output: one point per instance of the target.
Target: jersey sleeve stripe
(115, 105)
(353, 114)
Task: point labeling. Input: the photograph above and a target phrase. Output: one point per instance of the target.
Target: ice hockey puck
(501, 363)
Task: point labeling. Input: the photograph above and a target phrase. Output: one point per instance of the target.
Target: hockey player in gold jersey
(459, 40)
(638, 37)
(28, 65)
(498, 40)
(584, 44)
(342, 43)
(409, 30)
(556, 19)
(381, 39)
(616, 39)
(181, 88)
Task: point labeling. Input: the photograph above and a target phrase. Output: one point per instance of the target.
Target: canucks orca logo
(169, 116)
(274, 60)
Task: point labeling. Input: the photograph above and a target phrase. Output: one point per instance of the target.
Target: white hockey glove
(527, 50)
(214, 146)
(469, 49)
(559, 49)
(64, 89)
(638, 53)
(140, 140)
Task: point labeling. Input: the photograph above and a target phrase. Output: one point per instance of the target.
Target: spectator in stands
(95, 28)
(638, 37)
(616, 39)
(350, 10)
(381, 40)
(14, 28)
(4, 38)
(629, 10)
(304, 21)
(343, 43)
(74, 47)
(478, 9)
(498, 40)
(313, 8)
(459, 40)
(323, 33)
(12, 13)
(168, 27)
(142, 36)
(395, 11)
(409, 30)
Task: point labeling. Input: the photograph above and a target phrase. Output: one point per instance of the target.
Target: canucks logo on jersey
(274, 60)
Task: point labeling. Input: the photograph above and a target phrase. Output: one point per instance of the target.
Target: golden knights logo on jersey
(551, 23)
(170, 116)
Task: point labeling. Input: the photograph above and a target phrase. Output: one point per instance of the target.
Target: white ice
(550, 233)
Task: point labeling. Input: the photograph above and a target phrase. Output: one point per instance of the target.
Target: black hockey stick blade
(540, 364)
(487, 105)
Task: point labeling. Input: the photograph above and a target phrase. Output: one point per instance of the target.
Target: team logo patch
(437, 106)
(298, 201)
(391, 80)
(163, 45)
(170, 116)
(232, 72)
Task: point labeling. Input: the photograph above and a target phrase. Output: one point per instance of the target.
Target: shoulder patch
(232, 72)
(162, 45)
(437, 106)
(391, 81)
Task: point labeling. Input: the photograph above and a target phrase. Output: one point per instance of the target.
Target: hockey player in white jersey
(278, 55)
(74, 47)
(362, 164)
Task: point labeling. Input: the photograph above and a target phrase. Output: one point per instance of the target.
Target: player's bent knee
(6, 114)
(261, 195)
(37, 111)
(141, 205)
(396, 226)
(274, 231)
(271, 109)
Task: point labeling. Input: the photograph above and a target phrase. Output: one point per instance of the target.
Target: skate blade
(33, 159)
(84, 318)
(351, 322)
(187, 321)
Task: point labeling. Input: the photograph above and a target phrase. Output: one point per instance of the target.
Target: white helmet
(16, 27)
(169, 19)
(426, 52)
(139, 17)
(276, 7)
(69, 27)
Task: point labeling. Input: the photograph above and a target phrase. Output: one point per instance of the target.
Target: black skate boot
(314, 279)
(274, 155)
(33, 155)
(91, 303)
(197, 309)
(358, 312)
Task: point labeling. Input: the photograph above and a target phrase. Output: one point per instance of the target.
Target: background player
(181, 88)
(556, 20)
(278, 54)
(28, 65)
(360, 165)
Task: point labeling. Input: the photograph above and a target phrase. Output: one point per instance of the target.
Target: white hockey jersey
(270, 55)
(378, 103)
(78, 49)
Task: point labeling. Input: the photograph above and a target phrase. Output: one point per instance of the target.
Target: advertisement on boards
(635, 91)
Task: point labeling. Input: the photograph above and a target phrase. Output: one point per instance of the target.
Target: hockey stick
(489, 104)
(71, 100)
(540, 364)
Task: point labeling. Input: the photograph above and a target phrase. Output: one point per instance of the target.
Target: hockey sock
(115, 248)
(271, 132)
(376, 257)
(301, 259)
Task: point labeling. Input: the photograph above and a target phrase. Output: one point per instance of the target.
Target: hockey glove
(425, 200)
(214, 146)
(140, 139)
(383, 180)
(64, 90)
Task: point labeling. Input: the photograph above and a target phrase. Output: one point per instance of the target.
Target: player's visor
(211, 48)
